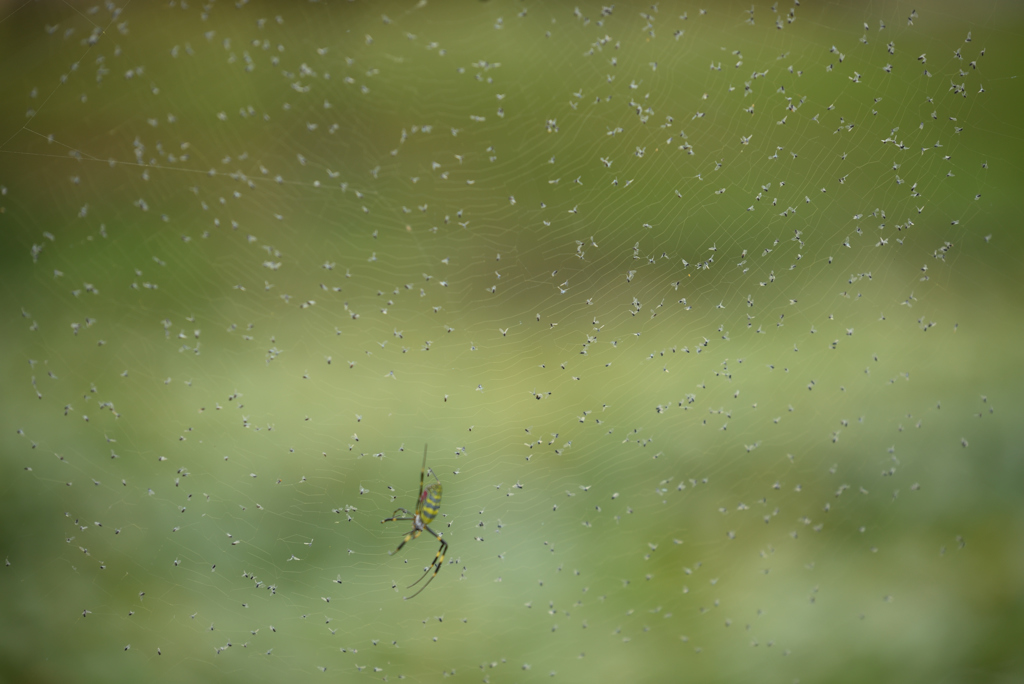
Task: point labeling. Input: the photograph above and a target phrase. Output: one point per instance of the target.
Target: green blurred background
(711, 321)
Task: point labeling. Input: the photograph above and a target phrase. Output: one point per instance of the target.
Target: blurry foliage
(711, 321)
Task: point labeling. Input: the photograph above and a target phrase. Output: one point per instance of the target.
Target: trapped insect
(427, 505)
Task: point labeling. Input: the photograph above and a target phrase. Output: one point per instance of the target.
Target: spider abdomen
(430, 503)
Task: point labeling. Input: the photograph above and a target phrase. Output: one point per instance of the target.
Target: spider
(427, 505)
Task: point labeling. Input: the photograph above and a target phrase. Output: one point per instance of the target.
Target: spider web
(647, 280)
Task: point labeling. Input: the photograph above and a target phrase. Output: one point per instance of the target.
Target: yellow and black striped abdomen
(430, 503)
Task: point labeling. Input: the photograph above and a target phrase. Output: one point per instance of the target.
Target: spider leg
(408, 537)
(435, 564)
(394, 518)
(422, 469)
